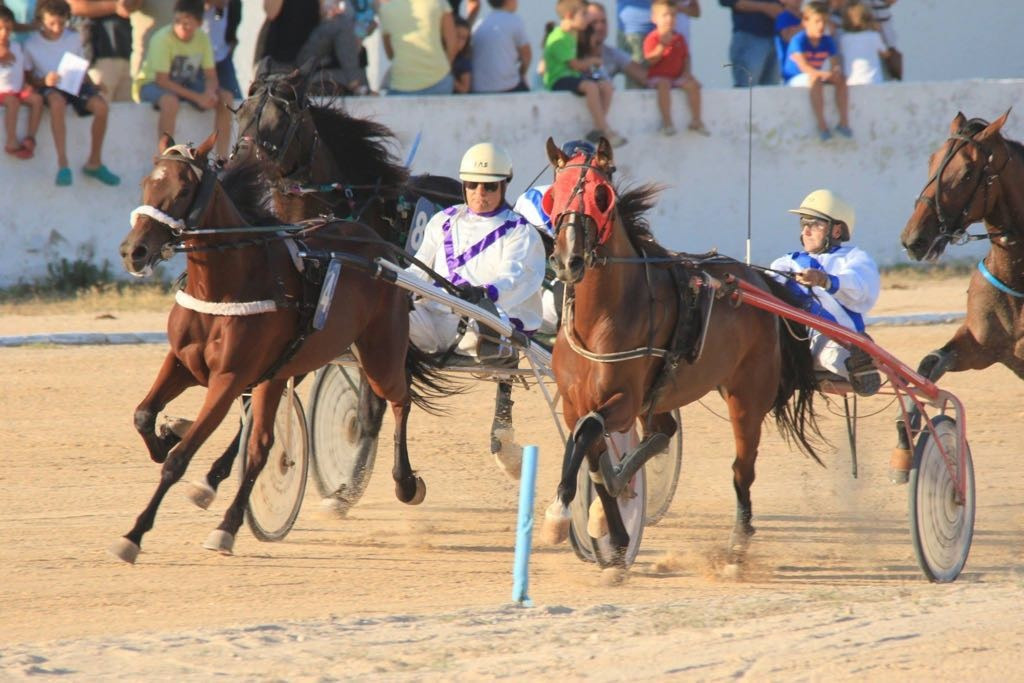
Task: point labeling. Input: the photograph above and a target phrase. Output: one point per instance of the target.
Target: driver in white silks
(495, 257)
(833, 280)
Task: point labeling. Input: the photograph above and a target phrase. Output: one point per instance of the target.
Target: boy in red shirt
(669, 59)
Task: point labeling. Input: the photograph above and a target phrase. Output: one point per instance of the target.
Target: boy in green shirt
(179, 66)
(563, 70)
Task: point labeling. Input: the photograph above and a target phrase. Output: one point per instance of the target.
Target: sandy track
(831, 587)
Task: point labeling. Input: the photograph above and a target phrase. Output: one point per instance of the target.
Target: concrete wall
(704, 204)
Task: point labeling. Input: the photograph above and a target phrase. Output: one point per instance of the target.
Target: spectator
(613, 60)
(836, 281)
(337, 38)
(669, 58)
(634, 25)
(44, 51)
(287, 27)
(24, 17)
(804, 67)
(752, 48)
(419, 39)
(152, 15)
(861, 46)
(787, 25)
(14, 91)
(501, 50)
(881, 10)
(562, 69)
(107, 44)
(220, 22)
(462, 65)
(180, 66)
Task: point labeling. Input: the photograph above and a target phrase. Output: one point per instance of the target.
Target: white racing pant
(829, 355)
(433, 328)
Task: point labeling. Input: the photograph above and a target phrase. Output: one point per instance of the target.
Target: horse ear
(165, 142)
(994, 127)
(604, 153)
(262, 70)
(206, 146)
(958, 123)
(555, 155)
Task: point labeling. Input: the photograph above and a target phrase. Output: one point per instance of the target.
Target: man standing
(752, 49)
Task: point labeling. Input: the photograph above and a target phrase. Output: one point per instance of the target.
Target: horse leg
(503, 446)
(265, 400)
(409, 487)
(746, 427)
(203, 492)
(961, 352)
(172, 379)
(588, 430)
(219, 398)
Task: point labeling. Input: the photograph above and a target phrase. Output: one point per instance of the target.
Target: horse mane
(360, 147)
(248, 189)
(634, 203)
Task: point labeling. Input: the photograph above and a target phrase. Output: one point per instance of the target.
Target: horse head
(274, 122)
(581, 203)
(961, 188)
(175, 195)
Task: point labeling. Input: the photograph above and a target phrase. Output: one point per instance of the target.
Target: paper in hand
(71, 70)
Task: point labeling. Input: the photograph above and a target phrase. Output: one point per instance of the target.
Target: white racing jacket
(853, 288)
(499, 251)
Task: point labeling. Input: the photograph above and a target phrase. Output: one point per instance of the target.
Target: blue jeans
(756, 54)
(151, 92)
(445, 86)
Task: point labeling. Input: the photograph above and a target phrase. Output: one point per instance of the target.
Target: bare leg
(818, 104)
(58, 108)
(665, 103)
(594, 105)
(222, 123)
(168, 114)
(35, 116)
(100, 110)
(11, 105)
(843, 101)
(692, 89)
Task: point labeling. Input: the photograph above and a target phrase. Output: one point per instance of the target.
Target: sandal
(19, 152)
(29, 143)
(102, 174)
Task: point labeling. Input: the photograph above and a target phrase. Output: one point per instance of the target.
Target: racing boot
(503, 447)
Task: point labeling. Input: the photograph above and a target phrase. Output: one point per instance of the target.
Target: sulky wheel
(277, 494)
(342, 456)
(662, 473)
(941, 527)
(600, 550)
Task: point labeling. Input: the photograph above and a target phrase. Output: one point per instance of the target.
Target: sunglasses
(488, 187)
(813, 223)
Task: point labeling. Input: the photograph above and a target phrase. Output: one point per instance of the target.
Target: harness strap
(996, 282)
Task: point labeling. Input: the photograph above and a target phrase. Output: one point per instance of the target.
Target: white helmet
(485, 162)
(828, 205)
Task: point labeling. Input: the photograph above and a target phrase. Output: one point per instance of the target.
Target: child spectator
(787, 25)
(220, 21)
(45, 50)
(804, 67)
(107, 44)
(179, 66)
(501, 50)
(14, 91)
(462, 65)
(562, 69)
(666, 52)
(861, 45)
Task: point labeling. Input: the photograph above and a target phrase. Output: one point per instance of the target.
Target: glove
(473, 294)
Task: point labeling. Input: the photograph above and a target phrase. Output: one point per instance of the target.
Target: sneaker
(614, 139)
(593, 136)
(63, 177)
(864, 376)
(102, 174)
(700, 129)
(667, 131)
(824, 135)
(844, 131)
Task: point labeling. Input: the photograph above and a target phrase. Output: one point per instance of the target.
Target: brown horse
(242, 319)
(976, 175)
(620, 354)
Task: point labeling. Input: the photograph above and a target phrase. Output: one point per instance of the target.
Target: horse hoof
(555, 528)
(221, 541)
(507, 453)
(731, 571)
(124, 550)
(614, 576)
(418, 495)
(200, 493)
(333, 508)
(597, 523)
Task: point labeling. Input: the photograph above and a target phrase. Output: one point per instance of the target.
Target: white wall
(704, 205)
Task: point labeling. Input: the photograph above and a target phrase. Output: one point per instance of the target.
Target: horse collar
(996, 282)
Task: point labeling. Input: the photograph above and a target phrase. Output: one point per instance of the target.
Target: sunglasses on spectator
(488, 187)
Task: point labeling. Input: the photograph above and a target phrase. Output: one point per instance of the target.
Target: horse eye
(602, 198)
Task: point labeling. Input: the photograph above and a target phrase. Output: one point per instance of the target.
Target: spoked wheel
(941, 526)
(342, 455)
(632, 509)
(277, 494)
(662, 472)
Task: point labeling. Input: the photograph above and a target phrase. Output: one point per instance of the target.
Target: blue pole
(524, 528)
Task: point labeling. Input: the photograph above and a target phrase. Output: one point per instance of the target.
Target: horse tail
(794, 403)
(427, 384)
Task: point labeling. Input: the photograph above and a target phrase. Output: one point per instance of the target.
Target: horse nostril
(575, 263)
(140, 253)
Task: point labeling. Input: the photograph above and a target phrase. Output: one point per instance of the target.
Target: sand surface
(830, 589)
